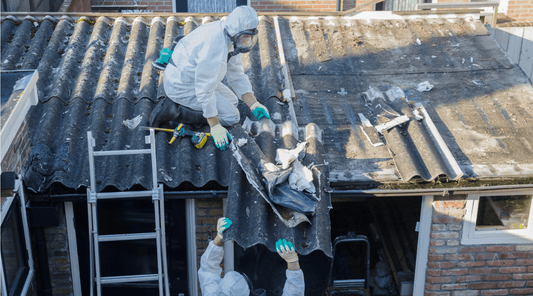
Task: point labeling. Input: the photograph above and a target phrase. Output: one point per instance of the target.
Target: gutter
(422, 192)
(335, 193)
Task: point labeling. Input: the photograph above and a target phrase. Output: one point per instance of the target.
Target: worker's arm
(210, 270)
(239, 82)
(294, 285)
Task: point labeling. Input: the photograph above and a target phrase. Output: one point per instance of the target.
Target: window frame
(10, 205)
(494, 237)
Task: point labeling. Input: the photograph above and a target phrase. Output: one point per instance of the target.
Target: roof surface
(97, 73)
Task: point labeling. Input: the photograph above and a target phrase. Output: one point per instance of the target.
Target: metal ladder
(159, 234)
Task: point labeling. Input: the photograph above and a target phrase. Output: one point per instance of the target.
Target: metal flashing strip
(191, 247)
(443, 149)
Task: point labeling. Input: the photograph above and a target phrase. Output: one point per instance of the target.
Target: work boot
(167, 111)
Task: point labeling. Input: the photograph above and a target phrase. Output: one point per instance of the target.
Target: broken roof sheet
(481, 104)
(96, 73)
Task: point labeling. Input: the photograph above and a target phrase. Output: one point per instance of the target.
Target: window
(16, 259)
(498, 219)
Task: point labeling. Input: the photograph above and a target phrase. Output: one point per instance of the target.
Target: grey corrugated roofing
(253, 220)
(97, 73)
(481, 104)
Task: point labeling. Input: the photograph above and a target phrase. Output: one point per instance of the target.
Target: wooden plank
(457, 5)
(515, 43)
(502, 37)
(526, 55)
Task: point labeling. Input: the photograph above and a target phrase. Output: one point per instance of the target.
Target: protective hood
(240, 19)
(233, 283)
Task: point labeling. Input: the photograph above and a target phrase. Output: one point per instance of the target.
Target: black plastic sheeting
(254, 221)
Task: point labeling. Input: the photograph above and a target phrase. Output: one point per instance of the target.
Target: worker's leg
(227, 101)
(167, 110)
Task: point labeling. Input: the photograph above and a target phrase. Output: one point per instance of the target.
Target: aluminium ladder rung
(354, 283)
(123, 194)
(126, 237)
(129, 278)
(122, 152)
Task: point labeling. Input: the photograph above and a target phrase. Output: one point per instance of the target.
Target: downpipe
(44, 268)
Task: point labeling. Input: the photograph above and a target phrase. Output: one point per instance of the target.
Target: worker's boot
(167, 111)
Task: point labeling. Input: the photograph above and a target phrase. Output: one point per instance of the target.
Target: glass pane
(14, 256)
(503, 212)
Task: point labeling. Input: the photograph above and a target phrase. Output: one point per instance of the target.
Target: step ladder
(159, 234)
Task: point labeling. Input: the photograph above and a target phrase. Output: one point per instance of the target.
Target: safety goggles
(245, 40)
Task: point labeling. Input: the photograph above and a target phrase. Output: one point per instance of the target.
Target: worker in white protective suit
(237, 284)
(199, 62)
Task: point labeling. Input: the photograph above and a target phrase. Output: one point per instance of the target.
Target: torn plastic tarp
(280, 192)
(250, 157)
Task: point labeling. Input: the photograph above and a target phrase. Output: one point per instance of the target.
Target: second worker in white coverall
(193, 78)
(236, 284)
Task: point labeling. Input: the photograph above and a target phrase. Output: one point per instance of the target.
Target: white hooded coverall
(233, 283)
(199, 63)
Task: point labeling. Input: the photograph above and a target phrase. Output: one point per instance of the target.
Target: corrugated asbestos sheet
(96, 74)
(253, 220)
(481, 104)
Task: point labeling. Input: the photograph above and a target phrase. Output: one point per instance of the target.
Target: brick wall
(520, 10)
(455, 270)
(58, 256)
(19, 151)
(207, 213)
(76, 6)
(304, 5)
(153, 5)
(259, 5)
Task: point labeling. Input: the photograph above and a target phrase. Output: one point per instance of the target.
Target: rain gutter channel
(334, 193)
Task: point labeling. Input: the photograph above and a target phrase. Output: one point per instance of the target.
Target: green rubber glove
(223, 224)
(220, 136)
(259, 111)
(286, 251)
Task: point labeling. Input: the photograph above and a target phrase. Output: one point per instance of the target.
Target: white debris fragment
(418, 41)
(392, 123)
(433, 57)
(424, 86)
(319, 68)
(471, 59)
(285, 156)
(270, 167)
(456, 45)
(301, 178)
(373, 93)
(276, 116)
(242, 141)
(463, 61)
(477, 82)
(36, 24)
(395, 93)
(364, 120)
(67, 139)
(165, 175)
(287, 94)
(342, 92)
(133, 123)
(418, 114)
(417, 58)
